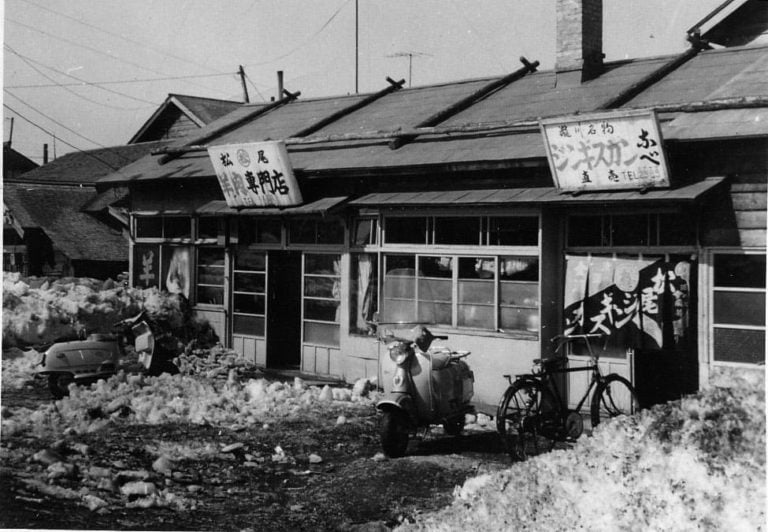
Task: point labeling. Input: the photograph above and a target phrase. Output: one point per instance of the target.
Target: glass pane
(399, 280)
(176, 227)
(514, 231)
(210, 275)
(436, 267)
(399, 263)
(249, 303)
(249, 282)
(250, 259)
(477, 267)
(629, 230)
(363, 233)
(363, 297)
(739, 308)
(207, 227)
(321, 333)
(149, 227)
(394, 310)
(321, 287)
(302, 232)
(519, 268)
(585, 231)
(519, 294)
(250, 325)
(321, 264)
(435, 290)
(210, 256)
(436, 313)
(458, 230)
(519, 319)
(409, 230)
(331, 232)
(269, 232)
(210, 295)
(322, 310)
(478, 316)
(676, 230)
(740, 271)
(739, 345)
(476, 292)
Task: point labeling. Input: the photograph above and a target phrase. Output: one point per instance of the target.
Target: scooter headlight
(399, 352)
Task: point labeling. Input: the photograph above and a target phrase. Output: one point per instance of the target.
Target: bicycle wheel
(523, 416)
(613, 397)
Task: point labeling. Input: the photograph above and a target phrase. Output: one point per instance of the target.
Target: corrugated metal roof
(725, 123)
(535, 195)
(321, 206)
(712, 74)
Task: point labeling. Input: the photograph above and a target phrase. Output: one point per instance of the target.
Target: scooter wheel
(394, 433)
(58, 384)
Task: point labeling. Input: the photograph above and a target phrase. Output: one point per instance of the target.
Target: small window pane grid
(210, 276)
(499, 293)
(321, 303)
(252, 231)
(164, 227)
(249, 292)
(738, 308)
(631, 230)
(462, 230)
(315, 232)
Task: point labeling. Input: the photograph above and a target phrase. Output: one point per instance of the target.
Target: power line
(124, 38)
(306, 41)
(115, 82)
(52, 120)
(92, 49)
(29, 62)
(41, 128)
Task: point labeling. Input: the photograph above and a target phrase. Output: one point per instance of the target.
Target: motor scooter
(430, 386)
(97, 356)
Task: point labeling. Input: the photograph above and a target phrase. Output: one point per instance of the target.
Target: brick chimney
(579, 40)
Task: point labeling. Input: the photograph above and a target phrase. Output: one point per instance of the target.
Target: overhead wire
(114, 82)
(29, 62)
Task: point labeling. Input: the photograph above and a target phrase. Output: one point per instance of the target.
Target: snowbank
(693, 464)
(40, 311)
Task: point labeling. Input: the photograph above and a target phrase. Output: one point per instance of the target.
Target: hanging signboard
(605, 151)
(255, 174)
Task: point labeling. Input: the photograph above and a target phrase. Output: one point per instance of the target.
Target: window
(363, 289)
(316, 232)
(738, 308)
(463, 230)
(210, 276)
(164, 227)
(254, 231)
(479, 292)
(249, 292)
(631, 230)
(322, 299)
(207, 228)
(365, 232)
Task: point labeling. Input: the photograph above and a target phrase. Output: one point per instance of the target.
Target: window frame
(304, 298)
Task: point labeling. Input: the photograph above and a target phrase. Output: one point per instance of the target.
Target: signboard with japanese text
(255, 174)
(606, 151)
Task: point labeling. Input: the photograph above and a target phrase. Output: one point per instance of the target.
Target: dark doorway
(284, 310)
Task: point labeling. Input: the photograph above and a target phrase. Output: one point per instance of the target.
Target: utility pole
(357, 53)
(241, 71)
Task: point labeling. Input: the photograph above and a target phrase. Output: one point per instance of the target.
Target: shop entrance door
(284, 310)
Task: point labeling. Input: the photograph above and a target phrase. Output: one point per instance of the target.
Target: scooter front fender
(397, 401)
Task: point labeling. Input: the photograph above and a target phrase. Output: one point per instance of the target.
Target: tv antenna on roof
(410, 56)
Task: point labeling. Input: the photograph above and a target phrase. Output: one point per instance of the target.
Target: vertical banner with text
(255, 174)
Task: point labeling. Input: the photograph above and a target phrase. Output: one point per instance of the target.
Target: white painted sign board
(606, 151)
(255, 174)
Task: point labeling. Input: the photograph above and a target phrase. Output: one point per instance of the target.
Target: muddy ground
(252, 486)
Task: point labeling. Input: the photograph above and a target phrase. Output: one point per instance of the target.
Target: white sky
(61, 44)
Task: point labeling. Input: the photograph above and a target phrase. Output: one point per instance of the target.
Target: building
(59, 222)
(442, 204)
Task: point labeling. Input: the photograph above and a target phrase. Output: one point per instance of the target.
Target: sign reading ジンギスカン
(606, 151)
(255, 174)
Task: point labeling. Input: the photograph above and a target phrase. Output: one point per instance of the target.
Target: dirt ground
(350, 488)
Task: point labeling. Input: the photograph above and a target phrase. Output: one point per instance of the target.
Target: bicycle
(532, 414)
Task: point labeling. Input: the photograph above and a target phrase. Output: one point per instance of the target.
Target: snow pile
(18, 367)
(137, 398)
(40, 310)
(697, 463)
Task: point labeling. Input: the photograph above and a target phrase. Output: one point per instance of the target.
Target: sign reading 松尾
(606, 151)
(255, 174)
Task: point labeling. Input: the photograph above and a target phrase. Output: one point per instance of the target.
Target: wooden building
(439, 204)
